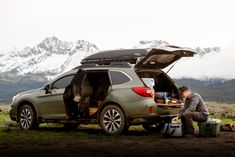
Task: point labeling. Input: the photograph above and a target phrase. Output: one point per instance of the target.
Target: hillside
(13, 84)
(213, 89)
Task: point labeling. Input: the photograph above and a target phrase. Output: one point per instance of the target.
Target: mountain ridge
(50, 57)
(53, 56)
(32, 67)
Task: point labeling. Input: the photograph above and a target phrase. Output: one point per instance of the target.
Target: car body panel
(131, 102)
(51, 105)
(28, 97)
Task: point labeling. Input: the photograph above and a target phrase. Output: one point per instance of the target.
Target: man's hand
(77, 98)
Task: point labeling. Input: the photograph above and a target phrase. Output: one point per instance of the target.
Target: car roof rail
(86, 66)
(112, 64)
(121, 64)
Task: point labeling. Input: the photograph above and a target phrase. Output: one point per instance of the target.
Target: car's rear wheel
(112, 120)
(28, 118)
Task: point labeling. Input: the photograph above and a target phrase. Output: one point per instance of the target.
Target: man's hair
(183, 88)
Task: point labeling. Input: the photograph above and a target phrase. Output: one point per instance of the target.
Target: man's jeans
(188, 118)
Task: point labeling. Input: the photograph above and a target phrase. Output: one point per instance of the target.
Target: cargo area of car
(95, 88)
(162, 83)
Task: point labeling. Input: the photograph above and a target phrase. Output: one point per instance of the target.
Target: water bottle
(166, 100)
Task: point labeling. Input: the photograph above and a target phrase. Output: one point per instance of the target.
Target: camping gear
(172, 130)
(149, 82)
(209, 128)
(227, 127)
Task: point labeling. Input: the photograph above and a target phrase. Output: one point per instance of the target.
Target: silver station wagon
(118, 88)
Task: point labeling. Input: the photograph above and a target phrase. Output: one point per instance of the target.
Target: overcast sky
(113, 24)
(212, 65)
(122, 23)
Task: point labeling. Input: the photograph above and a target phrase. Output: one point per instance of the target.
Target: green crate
(210, 128)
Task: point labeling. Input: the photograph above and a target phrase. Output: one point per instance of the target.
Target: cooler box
(209, 128)
(172, 130)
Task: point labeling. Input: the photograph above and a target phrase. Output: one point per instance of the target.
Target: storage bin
(210, 128)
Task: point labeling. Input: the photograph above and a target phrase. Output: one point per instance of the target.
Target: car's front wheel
(112, 120)
(27, 118)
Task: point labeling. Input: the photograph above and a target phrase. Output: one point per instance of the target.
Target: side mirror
(47, 89)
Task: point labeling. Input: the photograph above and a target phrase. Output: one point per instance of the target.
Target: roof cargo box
(154, 58)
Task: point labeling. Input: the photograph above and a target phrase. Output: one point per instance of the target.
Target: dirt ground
(134, 143)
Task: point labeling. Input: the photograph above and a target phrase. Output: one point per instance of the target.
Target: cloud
(212, 65)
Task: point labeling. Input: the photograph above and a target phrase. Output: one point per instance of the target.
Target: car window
(149, 82)
(63, 82)
(118, 77)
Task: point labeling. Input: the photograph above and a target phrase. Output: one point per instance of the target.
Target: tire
(153, 127)
(71, 126)
(28, 118)
(112, 120)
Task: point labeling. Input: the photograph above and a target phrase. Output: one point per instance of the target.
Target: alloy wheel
(26, 118)
(112, 120)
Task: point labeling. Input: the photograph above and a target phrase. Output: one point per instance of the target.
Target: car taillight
(143, 91)
(150, 109)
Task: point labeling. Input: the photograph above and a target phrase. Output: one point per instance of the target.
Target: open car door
(72, 90)
(159, 58)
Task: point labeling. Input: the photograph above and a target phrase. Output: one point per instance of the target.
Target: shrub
(4, 108)
(221, 110)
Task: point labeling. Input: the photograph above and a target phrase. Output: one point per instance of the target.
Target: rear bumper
(168, 110)
(153, 118)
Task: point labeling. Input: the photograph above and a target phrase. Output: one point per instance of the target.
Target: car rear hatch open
(161, 57)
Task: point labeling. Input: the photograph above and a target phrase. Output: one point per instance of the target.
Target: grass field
(225, 112)
(89, 140)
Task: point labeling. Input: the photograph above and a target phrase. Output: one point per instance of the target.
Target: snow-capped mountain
(50, 57)
(155, 43)
(150, 43)
(32, 67)
(203, 51)
(53, 56)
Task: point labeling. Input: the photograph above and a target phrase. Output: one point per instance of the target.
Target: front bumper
(12, 115)
(13, 112)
